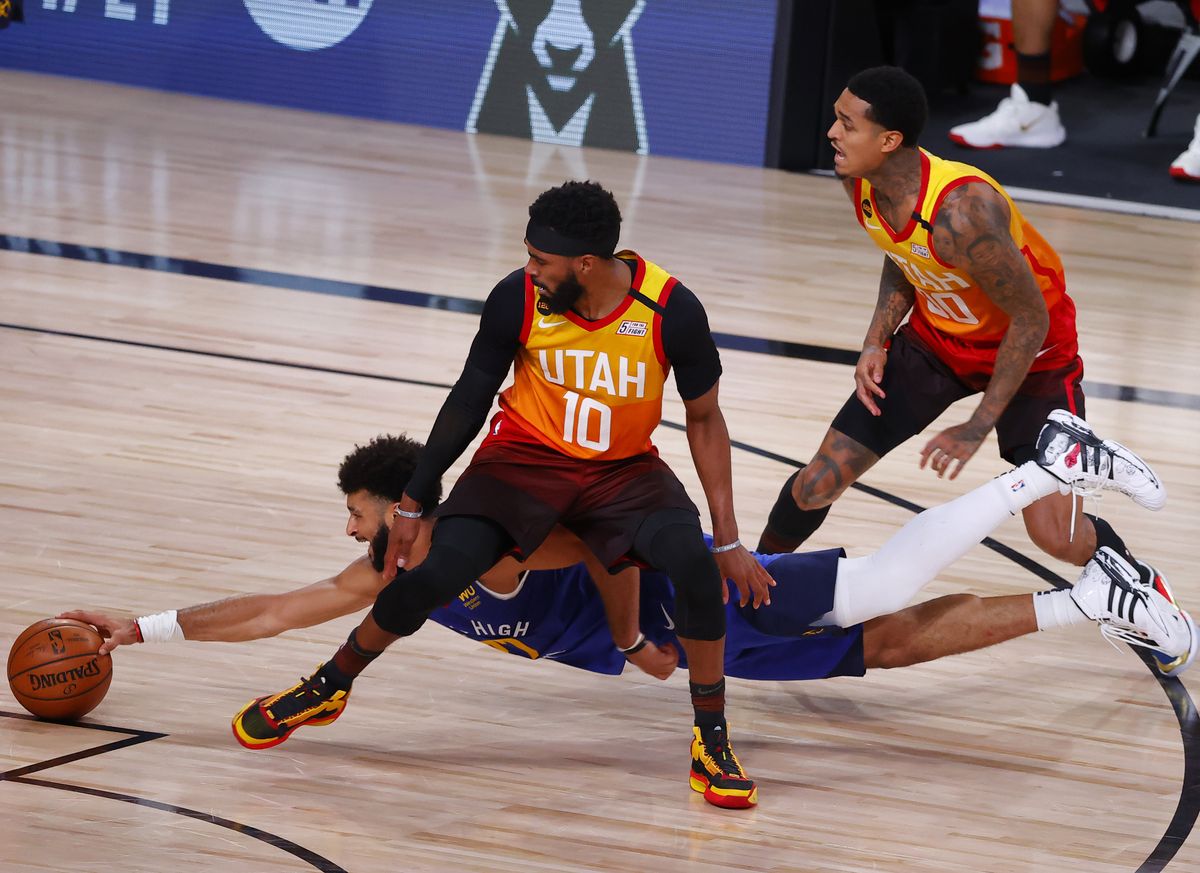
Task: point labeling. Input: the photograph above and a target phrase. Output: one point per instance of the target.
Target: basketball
(55, 671)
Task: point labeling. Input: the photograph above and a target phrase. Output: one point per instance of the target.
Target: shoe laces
(722, 754)
(309, 692)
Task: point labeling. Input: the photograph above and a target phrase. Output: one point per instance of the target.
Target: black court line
(450, 303)
(134, 737)
(1188, 808)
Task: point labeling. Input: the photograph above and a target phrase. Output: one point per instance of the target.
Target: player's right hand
(659, 661)
(753, 582)
(868, 373)
(116, 631)
(400, 539)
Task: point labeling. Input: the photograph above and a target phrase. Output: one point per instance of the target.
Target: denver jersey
(593, 389)
(558, 615)
(952, 314)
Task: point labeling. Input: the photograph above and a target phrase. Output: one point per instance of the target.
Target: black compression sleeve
(688, 344)
(466, 407)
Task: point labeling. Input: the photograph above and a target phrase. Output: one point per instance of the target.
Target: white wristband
(162, 627)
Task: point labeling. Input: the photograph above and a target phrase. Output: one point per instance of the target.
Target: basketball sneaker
(1167, 665)
(1137, 607)
(270, 720)
(1187, 165)
(717, 773)
(1073, 454)
(1017, 122)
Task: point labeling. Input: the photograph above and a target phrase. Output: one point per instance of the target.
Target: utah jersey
(593, 389)
(952, 314)
(558, 615)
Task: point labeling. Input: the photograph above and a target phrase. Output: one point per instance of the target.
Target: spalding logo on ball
(55, 670)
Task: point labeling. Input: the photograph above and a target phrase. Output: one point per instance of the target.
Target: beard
(379, 544)
(563, 297)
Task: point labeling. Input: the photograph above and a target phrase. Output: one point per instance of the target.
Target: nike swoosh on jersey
(667, 616)
(1046, 349)
(542, 323)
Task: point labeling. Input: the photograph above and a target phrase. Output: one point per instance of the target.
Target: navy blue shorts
(776, 642)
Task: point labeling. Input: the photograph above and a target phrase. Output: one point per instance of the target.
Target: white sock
(1027, 484)
(1056, 609)
(887, 580)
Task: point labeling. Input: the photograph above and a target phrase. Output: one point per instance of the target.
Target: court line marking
(1187, 810)
(471, 306)
(20, 775)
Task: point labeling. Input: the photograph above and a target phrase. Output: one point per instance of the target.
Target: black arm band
(638, 645)
(460, 419)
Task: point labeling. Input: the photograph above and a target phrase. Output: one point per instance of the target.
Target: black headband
(546, 239)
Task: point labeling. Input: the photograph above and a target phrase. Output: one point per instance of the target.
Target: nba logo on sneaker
(921, 250)
(632, 328)
(1017, 486)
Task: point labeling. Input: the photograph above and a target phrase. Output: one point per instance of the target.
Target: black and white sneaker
(1136, 607)
(1071, 452)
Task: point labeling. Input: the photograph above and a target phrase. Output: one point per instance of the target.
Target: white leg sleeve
(883, 582)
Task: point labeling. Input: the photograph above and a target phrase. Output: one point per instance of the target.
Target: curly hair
(897, 100)
(383, 467)
(581, 210)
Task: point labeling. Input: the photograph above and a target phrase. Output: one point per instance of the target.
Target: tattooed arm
(896, 296)
(971, 232)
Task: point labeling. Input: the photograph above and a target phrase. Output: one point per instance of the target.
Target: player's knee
(402, 607)
(812, 491)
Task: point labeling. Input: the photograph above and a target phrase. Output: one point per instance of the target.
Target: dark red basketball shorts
(527, 487)
(920, 387)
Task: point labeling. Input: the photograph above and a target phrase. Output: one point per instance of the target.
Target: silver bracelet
(636, 647)
(404, 513)
(736, 544)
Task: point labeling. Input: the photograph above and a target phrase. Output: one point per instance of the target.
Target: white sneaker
(1017, 122)
(1071, 452)
(1111, 591)
(1167, 665)
(1187, 165)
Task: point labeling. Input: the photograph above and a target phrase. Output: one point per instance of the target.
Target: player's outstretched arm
(972, 232)
(708, 438)
(247, 616)
(463, 411)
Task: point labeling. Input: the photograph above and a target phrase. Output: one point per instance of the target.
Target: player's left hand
(659, 661)
(115, 631)
(751, 579)
(954, 444)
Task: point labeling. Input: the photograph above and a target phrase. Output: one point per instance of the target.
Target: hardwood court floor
(172, 438)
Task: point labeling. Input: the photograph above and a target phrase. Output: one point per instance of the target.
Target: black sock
(708, 703)
(350, 660)
(1033, 75)
(1106, 536)
(788, 526)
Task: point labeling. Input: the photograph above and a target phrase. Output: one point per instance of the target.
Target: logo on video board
(308, 25)
(563, 75)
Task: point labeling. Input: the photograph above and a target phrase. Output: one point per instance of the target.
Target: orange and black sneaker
(717, 773)
(270, 720)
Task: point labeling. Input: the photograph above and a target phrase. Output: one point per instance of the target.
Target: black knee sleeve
(463, 548)
(679, 551)
(1106, 536)
(789, 521)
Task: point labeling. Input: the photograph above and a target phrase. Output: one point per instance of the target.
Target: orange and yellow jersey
(593, 389)
(952, 314)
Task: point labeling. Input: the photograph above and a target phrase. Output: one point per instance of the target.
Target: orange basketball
(55, 671)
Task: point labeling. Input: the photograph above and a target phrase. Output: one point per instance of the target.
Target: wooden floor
(163, 444)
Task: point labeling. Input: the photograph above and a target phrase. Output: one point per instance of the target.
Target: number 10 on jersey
(578, 422)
